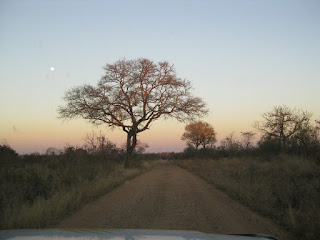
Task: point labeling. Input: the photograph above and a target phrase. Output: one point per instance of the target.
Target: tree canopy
(199, 133)
(247, 138)
(282, 124)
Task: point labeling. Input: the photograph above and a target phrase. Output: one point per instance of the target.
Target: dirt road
(168, 197)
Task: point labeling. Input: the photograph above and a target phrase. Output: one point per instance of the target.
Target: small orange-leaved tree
(199, 133)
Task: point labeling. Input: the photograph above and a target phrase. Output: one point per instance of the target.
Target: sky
(242, 58)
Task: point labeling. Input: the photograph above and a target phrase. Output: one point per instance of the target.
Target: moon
(52, 69)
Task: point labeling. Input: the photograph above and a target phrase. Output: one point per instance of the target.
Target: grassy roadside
(67, 196)
(285, 189)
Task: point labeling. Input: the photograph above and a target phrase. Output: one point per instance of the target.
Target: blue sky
(243, 58)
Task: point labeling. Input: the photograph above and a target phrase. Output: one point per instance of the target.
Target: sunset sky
(242, 57)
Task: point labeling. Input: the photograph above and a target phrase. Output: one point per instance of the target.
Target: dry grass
(47, 212)
(286, 188)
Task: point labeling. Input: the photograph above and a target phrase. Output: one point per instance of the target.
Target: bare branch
(282, 123)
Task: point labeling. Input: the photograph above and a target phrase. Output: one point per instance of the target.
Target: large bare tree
(131, 95)
(282, 123)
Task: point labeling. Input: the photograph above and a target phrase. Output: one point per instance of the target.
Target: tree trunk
(131, 144)
(128, 158)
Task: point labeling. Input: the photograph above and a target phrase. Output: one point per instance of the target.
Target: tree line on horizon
(283, 130)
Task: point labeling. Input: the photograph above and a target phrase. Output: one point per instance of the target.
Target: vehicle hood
(127, 234)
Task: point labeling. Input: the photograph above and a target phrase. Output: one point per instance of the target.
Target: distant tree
(69, 152)
(7, 154)
(51, 151)
(230, 143)
(131, 95)
(199, 133)
(99, 144)
(269, 145)
(282, 123)
(75, 153)
(307, 139)
(247, 138)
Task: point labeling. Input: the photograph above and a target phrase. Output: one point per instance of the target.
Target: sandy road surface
(168, 197)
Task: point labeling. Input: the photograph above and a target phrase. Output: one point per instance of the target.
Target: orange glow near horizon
(163, 135)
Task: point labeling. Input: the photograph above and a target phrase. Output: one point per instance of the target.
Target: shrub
(38, 190)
